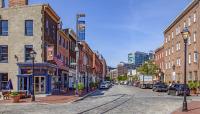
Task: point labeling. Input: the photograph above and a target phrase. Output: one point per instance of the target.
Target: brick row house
(24, 28)
(159, 61)
(174, 46)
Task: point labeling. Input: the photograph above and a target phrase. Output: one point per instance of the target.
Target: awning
(28, 64)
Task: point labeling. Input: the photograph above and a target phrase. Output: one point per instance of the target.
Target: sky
(118, 27)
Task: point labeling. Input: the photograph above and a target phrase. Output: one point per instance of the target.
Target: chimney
(2, 3)
(14, 3)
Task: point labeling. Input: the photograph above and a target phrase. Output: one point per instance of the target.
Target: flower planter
(16, 99)
(80, 92)
(193, 91)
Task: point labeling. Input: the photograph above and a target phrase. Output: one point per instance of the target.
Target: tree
(122, 78)
(148, 68)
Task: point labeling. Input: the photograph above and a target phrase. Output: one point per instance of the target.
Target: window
(165, 65)
(195, 57)
(194, 35)
(189, 21)
(172, 49)
(195, 75)
(66, 46)
(195, 17)
(47, 27)
(169, 65)
(189, 40)
(4, 27)
(3, 80)
(165, 40)
(169, 51)
(168, 37)
(3, 54)
(189, 58)
(166, 53)
(60, 40)
(172, 35)
(176, 30)
(178, 62)
(190, 76)
(184, 24)
(178, 46)
(29, 27)
(28, 49)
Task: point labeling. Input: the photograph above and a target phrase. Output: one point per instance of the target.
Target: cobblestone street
(117, 100)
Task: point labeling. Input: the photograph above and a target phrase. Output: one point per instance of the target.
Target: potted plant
(92, 85)
(193, 87)
(96, 85)
(198, 87)
(15, 96)
(80, 88)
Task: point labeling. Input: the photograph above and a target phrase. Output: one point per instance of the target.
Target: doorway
(40, 84)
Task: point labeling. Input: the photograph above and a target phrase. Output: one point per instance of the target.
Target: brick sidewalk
(52, 99)
(193, 108)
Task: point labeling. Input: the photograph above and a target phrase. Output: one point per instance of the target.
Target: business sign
(81, 30)
(50, 53)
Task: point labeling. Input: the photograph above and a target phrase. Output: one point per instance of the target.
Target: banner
(50, 53)
(81, 30)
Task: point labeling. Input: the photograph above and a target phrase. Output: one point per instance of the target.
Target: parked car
(160, 87)
(104, 85)
(178, 89)
(136, 84)
(109, 83)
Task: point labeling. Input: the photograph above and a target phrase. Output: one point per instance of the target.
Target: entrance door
(40, 85)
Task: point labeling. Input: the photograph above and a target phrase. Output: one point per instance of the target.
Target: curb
(83, 97)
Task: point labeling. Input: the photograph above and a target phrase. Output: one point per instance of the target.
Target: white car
(104, 85)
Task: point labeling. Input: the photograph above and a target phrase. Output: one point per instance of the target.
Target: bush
(92, 84)
(193, 84)
(13, 94)
(80, 86)
(96, 84)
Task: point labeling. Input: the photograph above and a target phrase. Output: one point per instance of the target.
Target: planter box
(16, 99)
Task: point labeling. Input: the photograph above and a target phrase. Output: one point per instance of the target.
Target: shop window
(3, 80)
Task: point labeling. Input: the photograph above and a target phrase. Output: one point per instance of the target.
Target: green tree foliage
(148, 68)
(122, 78)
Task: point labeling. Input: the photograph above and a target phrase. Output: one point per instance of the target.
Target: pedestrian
(170, 84)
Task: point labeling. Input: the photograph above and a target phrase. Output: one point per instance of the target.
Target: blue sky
(117, 27)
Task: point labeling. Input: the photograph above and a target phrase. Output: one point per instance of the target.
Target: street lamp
(33, 54)
(87, 68)
(185, 34)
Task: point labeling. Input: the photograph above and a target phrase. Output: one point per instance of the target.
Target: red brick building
(160, 61)
(174, 45)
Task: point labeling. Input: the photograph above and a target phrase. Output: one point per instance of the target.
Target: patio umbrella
(9, 85)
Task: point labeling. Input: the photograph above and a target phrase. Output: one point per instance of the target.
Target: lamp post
(185, 34)
(33, 54)
(87, 67)
(77, 49)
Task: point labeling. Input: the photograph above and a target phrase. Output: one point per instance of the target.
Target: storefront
(43, 74)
